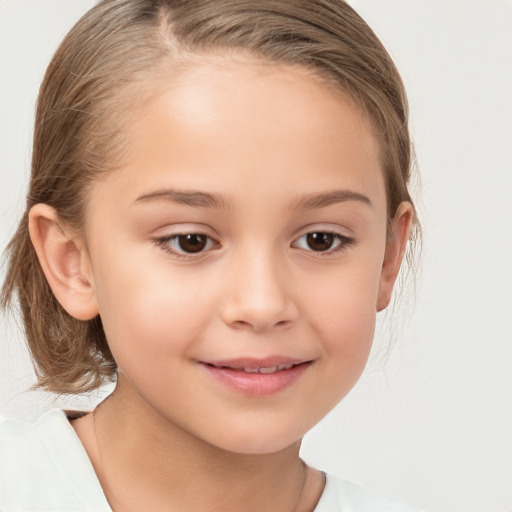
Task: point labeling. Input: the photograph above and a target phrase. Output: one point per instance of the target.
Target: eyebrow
(206, 200)
(323, 199)
(186, 197)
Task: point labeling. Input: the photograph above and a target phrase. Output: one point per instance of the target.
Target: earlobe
(395, 250)
(64, 263)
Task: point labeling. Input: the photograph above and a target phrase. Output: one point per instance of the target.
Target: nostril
(242, 324)
(259, 326)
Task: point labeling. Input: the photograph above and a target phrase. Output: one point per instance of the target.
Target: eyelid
(163, 243)
(344, 241)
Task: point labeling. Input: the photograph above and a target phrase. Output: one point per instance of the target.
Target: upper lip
(253, 362)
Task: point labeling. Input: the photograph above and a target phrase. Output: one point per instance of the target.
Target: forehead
(239, 125)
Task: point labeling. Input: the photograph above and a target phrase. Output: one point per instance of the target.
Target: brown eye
(320, 241)
(191, 243)
(187, 244)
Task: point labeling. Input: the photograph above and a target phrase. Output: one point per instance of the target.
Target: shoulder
(23, 443)
(44, 467)
(341, 495)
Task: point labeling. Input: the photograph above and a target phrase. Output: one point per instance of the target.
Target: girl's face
(247, 230)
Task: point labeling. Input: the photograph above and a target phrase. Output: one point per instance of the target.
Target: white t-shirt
(44, 467)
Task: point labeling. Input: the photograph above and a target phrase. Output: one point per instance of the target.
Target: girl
(218, 208)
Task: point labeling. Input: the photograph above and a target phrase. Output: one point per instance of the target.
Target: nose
(259, 295)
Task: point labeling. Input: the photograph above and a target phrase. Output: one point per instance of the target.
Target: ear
(64, 261)
(395, 249)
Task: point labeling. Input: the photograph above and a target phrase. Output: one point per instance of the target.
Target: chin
(257, 443)
(258, 447)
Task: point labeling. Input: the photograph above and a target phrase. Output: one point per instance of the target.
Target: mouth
(257, 369)
(257, 377)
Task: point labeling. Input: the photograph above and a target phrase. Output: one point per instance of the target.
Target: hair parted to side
(108, 65)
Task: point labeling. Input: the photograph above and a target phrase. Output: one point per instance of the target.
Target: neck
(151, 463)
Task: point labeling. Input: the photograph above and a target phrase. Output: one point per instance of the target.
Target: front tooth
(272, 369)
(251, 370)
(284, 366)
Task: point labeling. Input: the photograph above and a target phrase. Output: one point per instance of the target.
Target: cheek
(148, 313)
(347, 341)
(348, 332)
(345, 316)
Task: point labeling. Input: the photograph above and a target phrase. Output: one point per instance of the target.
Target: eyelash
(344, 242)
(164, 244)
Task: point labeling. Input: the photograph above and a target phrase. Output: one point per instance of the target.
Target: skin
(261, 137)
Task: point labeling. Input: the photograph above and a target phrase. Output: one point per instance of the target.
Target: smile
(265, 370)
(257, 377)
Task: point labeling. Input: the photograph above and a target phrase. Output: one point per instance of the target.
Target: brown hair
(110, 61)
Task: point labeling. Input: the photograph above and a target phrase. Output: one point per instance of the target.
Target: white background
(432, 425)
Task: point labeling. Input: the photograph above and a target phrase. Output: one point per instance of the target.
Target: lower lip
(257, 384)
